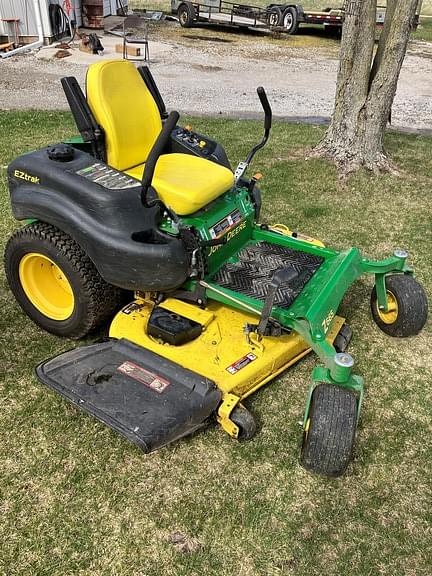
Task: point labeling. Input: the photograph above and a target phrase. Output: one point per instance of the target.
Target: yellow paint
(282, 229)
(221, 344)
(127, 112)
(228, 404)
(46, 286)
(203, 317)
(392, 309)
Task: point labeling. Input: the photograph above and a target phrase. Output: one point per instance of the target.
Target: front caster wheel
(407, 307)
(245, 422)
(330, 430)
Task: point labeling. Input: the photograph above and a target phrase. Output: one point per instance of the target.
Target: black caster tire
(245, 422)
(275, 16)
(343, 339)
(408, 307)
(186, 15)
(55, 282)
(328, 440)
(290, 21)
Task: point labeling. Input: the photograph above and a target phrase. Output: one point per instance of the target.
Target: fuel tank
(101, 209)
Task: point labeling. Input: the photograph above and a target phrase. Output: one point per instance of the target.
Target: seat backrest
(125, 109)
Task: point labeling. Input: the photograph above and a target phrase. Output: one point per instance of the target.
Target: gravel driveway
(207, 75)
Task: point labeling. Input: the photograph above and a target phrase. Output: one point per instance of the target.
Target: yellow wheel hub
(46, 286)
(392, 309)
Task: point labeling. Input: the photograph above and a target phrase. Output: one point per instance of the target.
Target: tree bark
(366, 84)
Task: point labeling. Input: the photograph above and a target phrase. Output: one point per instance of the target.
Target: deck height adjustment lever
(281, 276)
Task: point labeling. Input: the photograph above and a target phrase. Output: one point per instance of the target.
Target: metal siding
(24, 10)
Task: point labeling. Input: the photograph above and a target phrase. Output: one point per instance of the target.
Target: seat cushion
(187, 183)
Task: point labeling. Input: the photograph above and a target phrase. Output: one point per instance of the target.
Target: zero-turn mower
(221, 305)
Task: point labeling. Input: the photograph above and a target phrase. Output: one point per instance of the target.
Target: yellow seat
(184, 184)
(124, 107)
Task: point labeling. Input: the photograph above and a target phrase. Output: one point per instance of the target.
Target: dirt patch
(203, 68)
(207, 38)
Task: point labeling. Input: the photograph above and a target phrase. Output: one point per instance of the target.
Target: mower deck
(223, 353)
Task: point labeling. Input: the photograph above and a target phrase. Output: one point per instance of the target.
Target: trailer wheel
(56, 283)
(275, 16)
(290, 20)
(186, 14)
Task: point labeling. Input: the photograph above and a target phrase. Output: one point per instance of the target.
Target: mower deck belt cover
(152, 401)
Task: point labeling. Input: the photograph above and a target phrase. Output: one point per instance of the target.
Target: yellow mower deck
(239, 365)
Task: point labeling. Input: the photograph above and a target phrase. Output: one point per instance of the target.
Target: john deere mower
(139, 207)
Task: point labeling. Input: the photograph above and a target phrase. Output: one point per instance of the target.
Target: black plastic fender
(120, 236)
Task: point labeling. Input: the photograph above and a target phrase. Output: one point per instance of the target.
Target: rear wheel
(407, 306)
(330, 430)
(186, 14)
(56, 283)
(290, 20)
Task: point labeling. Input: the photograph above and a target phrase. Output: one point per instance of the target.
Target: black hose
(59, 21)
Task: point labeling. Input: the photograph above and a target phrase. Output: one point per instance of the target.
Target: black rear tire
(328, 442)
(410, 301)
(94, 300)
(186, 15)
(290, 20)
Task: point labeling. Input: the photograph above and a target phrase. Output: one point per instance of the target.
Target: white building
(26, 12)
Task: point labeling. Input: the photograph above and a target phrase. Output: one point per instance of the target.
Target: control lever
(281, 276)
(214, 242)
(243, 166)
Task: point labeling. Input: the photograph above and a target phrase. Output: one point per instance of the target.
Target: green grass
(75, 498)
(424, 30)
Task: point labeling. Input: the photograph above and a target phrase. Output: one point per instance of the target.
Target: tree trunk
(366, 84)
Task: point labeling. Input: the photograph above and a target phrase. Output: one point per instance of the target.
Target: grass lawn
(75, 498)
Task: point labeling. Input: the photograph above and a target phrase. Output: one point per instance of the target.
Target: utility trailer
(289, 17)
(281, 17)
(220, 12)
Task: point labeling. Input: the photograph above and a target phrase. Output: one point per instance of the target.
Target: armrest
(158, 148)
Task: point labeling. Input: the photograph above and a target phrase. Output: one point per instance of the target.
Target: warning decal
(140, 374)
(239, 364)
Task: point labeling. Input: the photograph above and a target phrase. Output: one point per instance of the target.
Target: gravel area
(205, 76)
